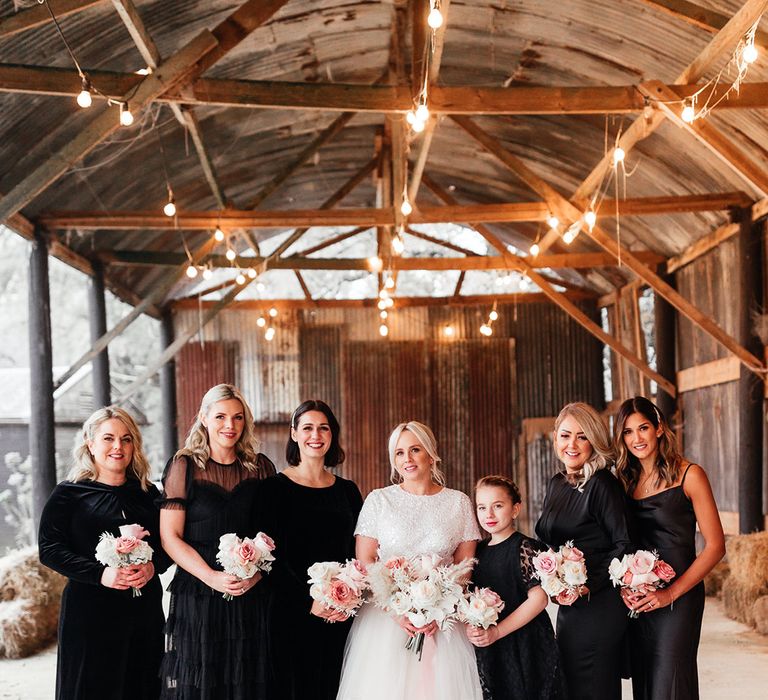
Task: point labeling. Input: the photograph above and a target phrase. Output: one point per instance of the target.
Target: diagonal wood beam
(332, 241)
(303, 285)
(135, 26)
(440, 242)
(38, 15)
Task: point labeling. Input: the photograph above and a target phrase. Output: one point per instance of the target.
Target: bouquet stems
(416, 644)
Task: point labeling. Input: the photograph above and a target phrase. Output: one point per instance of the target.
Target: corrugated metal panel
(320, 366)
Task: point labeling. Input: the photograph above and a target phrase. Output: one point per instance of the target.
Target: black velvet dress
(215, 649)
(309, 525)
(665, 642)
(591, 632)
(524, 665)
(110, 642)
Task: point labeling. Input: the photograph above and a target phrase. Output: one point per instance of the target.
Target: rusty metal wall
(320, 365)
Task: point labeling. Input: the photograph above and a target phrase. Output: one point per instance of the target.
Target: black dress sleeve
(160, 560)
(56, 547)
(608, 507)
(176, 483)
(529, 548)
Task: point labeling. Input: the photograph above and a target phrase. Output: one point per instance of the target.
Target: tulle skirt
(377, 665)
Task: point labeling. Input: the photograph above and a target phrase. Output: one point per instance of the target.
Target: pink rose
(664, 571)
(641, 562)
(134, 530)
(246, 552)
(567, 597)
(341, 594)
(489, 597)
(545, 563)
(124, 545)
(628, 577)
(353, 574)
(396, 563)
(264, 543)
(572, 554)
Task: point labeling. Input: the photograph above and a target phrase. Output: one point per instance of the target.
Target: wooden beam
(303, 285)
(135, 26)
(332, 241)
(702, 246)
(37, 15)
(727, 369)
(439, 241)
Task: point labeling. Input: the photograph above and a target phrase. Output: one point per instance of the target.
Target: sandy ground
(733, 663)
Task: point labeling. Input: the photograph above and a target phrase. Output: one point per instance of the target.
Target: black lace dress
(524, 665)
(110, 642)
(215, 649)
(591, 632)
(665, 642)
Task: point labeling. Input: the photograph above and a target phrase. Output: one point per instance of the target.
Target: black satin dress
(110, 642)
(665, 642)
(591, 632)
(309, 525)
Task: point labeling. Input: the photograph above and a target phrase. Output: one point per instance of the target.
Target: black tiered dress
(110, 642)
(524, 665)
(591, 632)
(308, 525)
(215, 649)
(664, 642)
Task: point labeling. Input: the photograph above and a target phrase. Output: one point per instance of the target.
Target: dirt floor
(733, 663)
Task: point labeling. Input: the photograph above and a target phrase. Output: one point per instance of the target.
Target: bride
(416, 516)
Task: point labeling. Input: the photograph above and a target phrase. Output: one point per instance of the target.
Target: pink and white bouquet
(423, 589)
(338, 586)
(244, 557)
(562, 573)
(640, 573)
(480, 608)
(129, 549)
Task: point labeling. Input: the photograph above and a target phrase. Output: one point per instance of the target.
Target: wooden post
(98, 321)
(42, 440)
(750, 402)
(168, 387)
(665, 348)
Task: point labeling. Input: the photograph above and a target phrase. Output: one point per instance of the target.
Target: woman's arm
(699, 491)
(536, 602)
(366, 549)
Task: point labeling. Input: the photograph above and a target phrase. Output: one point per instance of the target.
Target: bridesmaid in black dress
(216, 649)
(585, 503)
(311, 516)
(668, 497)
(110, 642)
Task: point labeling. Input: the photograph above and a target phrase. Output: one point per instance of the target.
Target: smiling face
(112, 450)
(495, 511)
(312, 434)
(412, 461)
(571, 445)
(224, 421)
(641, 437)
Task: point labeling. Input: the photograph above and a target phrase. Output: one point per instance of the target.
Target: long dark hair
(335, 454)
(668, 460)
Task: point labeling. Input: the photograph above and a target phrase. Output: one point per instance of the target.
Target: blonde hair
(595, 431)
(84, 468)
(196, 445)
(427, 440)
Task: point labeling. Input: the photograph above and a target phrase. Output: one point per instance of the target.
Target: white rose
(552, 585)
(616, 570)
(574, 573)
(399, 603)
(322, 571)
(316, 592)
(424, 594)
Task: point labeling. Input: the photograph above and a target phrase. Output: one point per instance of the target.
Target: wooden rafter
(332, 241)
(303, 285)
(38, 15)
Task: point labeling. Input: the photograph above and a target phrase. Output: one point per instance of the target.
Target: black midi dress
(215, 649)
(591, 632)
(309, 525)
(110, 642)
(525, 664)
(665, 642)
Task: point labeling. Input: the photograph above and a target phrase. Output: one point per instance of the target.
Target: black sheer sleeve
(529, 548)
(608, 507)
(57, 549)
(176, 482)
(265, 465)
(160, 560)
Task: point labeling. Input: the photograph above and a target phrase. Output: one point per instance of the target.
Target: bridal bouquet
(338, 586)
(129, 549)
(244, 557)
(562, 573)
(423, 589)
(480, 608)
(640, 573)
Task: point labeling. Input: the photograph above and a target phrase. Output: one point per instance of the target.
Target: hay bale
(760, 613)
(739, 599)
(30, 597)
(713, 581)
(748, 558)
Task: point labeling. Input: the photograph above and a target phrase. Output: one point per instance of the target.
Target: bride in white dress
(416, 516)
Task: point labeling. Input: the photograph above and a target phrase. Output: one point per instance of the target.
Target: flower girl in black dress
(518, 658)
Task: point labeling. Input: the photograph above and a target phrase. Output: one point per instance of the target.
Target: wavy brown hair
(668, 460)
(501, 482)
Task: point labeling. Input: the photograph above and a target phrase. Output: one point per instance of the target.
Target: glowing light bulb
(207, 273)
(524, 283)
(422, 113)
(383, 315)
(618, 155)
(486, 330)
(191, 272)
(273, 312)
(388, 303)
(405, 207)
(383, 330)
(251, 273)
(397, 245)
(553, 221)
(218, 235)
(590, 219)
(261, 322)
(260, 286)
(383, 294)
(375, 263)
(535, 249)
(170, 208)
(84, 99)
(749, 54)
(435, 18)
(240, 279)
(448, 331)
(126, 118)
(493, 315)
(230, 254)
(269, 334)
(418, 126)
(688, 114)
(568, 237)
(410, 117)
(381, 304)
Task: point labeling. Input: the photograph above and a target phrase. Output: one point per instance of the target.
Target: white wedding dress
(376, 664)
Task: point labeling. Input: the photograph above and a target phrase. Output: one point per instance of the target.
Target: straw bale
(713, 581)
(760, 613)
(739, 599)
(748, 558)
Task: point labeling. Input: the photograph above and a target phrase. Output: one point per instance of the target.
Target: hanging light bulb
(535, 249)
(590, 219)
(397, 245)
(207, 273)
(230, 254)
(389, 283)
(435, 18)
(689, 113)
(383, 294)
(260, 286)
(269, 334)
(618, 155)
(84, 99)
(418, 126)
(261, 322)
(749, 54)
(191, 272)
(493, 315)
(568, 237)
(383, 315)
(273, 312)
(126, 118)
(375, 263)
(218, 235)
(251, 273)
(486, 330)
(384, 330)
(240, 279)
(553, 221)
(448, 330)
(524, 283)
(381, 304)
(170, 208)
(410, 117)
(388, 303)
(422, 112)
(405, 207)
